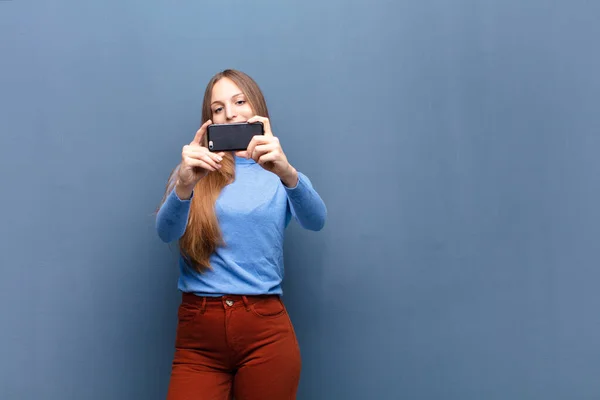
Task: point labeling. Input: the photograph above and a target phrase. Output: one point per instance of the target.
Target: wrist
(184, 190)
(290, 178)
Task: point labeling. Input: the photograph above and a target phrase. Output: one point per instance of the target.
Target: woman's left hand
(267, 152)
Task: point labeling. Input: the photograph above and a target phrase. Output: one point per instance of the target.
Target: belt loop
(246, 303)
(203, 306)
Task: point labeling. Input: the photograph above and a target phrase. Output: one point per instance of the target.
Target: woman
(229, 212)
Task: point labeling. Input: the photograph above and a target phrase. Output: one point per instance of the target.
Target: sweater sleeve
(306, 205)
(172, 217)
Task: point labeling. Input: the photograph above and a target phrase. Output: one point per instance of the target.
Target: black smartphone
(232, 137)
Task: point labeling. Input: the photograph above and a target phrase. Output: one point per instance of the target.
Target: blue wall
(455, 144)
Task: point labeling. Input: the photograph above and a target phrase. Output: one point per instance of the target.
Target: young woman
(229, 212)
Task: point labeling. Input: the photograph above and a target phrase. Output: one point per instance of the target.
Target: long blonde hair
(203, 234)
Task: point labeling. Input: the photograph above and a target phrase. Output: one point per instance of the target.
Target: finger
(201, 132)
(265, 122)
(200, 163)
(243, 154)
(215, 157)
(200, 152)
(206, 157)
(262, 150)
(256, 141)
(269, 157)
(210, 161)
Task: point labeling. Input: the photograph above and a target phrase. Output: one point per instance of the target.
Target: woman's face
(228, 103)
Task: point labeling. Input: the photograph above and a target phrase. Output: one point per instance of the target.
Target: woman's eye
(218, 110)
(240, 102)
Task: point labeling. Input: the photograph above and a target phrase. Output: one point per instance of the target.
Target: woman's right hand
(196, 162)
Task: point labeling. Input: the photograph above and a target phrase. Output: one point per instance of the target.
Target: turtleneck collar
(242, 160)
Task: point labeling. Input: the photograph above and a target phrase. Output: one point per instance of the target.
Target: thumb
(201, 132)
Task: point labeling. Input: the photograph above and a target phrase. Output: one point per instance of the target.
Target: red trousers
(241, 347)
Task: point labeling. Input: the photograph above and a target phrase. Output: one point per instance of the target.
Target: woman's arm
(306, 205)
(172, 216)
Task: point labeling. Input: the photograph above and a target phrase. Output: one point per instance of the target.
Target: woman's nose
(229, 113)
